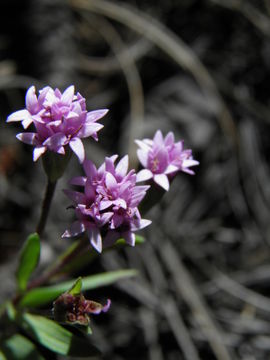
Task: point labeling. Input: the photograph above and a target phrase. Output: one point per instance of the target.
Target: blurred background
(202, 70)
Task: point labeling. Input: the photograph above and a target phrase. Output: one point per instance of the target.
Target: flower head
(59, 120)
(75, 309)
(107, 209)
(162, 158)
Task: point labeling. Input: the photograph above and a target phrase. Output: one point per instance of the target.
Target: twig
(188, 290)
(170, 44)
(133, 80)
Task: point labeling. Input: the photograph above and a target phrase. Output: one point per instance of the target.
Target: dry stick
(133, 80)
(187, 288)
(170, 44)
(110, 64)
(46, 206)
(237, 290)
(150, 329)
(162, 304)
(168, 304)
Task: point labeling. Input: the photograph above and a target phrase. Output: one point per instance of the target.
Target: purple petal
(162, 180)
(27, 138)
(72, 115)
(158, 138)
(61, 150)
(110, 181)
(93, 116)
(104, 218)
(31, 100)
(143, 157)
(190, 162)
(68, 95)
(104, 204)
(107, 306)
(26, 123)
(117, 220)
(144, 175)
(42, 94)
(171, 169)
(129, 237)
(143, 145)
(38, 151)
(89, 190)
(19, 116)
(77, 146)
(169, 139)
(78, 180)
(89, 129)
(122, 167)
(109, 165)
(188, 171)
(55, 141)
(142, 224)
(89, 168)
(120, 203)
(76, 228)
(95, 239)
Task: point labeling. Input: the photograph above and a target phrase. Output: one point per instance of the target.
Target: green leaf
(2, 356)
(28, 260)
(76, 287)
(56, 338)
(11, 311)
(44, 295)
(19, 347)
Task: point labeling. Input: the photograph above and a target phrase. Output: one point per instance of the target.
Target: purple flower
(162, 158)
(59, 120)
(107, 209)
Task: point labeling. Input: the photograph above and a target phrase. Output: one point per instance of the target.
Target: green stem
(51, 185)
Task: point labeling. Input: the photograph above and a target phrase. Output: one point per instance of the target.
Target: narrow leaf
(28, 260)
(56, 338)
(44, 295)
(76, 287)
(2, 356)
(19, 347)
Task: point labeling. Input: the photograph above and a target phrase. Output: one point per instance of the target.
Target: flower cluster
(59, 120)
(75, 309)
(107, 209)
(162, 158)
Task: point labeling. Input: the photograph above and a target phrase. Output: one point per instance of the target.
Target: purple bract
(162, 158)
(59, 120)
(107, 209)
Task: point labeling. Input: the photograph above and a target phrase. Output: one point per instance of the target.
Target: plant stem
(49, 274)
(46, 206)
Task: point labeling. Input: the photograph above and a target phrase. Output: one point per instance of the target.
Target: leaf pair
(47, 333)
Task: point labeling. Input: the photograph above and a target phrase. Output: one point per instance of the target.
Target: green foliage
(28, 260)
(55, 337)
(44, 295)
(76, 287)
(18, 347)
